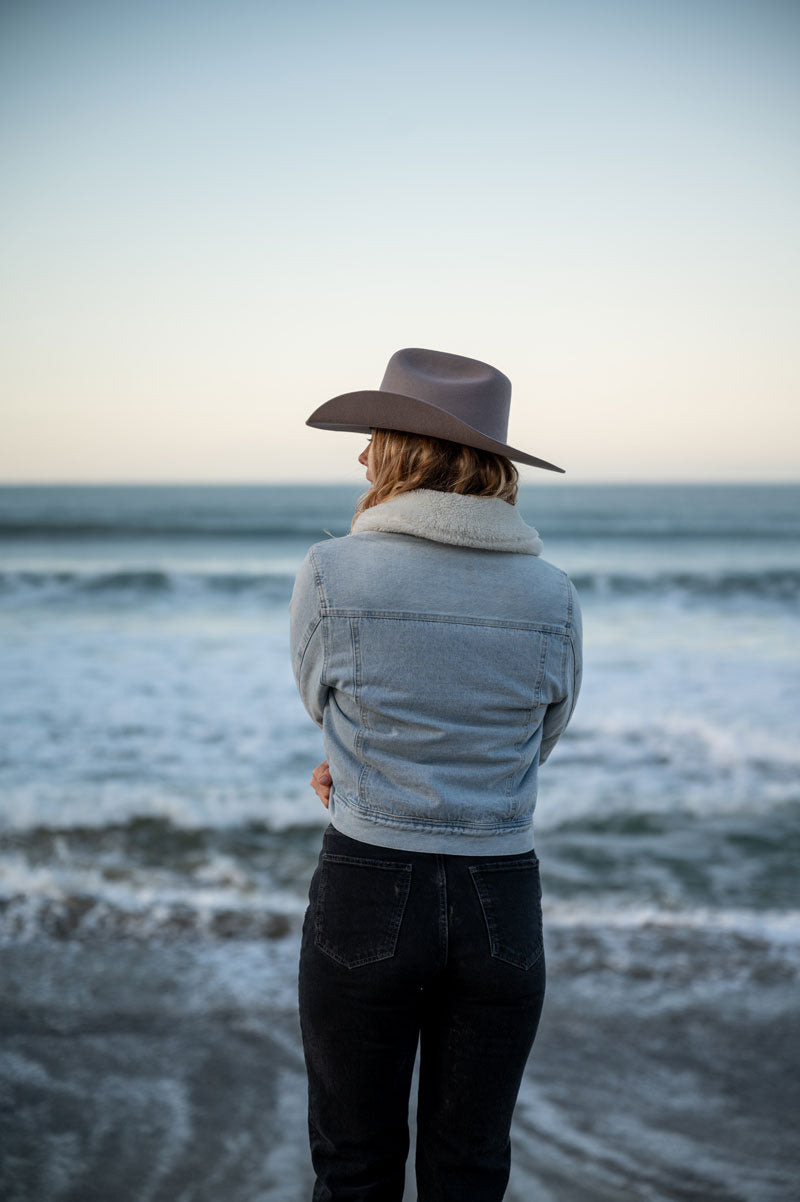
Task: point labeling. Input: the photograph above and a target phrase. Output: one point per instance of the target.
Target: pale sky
(215, 216)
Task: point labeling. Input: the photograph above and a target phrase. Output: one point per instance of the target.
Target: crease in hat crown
(434, 393)
(475, 392)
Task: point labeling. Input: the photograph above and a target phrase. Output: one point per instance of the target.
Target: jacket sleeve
(559, 713)
(306, 639)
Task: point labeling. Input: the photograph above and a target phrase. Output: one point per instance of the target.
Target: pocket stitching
(496, 948)
(388, 946)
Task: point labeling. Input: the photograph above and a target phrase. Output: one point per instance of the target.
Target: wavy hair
(402, 462)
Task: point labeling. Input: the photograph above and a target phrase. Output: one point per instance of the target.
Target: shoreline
(173, 1072)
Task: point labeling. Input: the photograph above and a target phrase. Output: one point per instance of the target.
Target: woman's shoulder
(387, 570)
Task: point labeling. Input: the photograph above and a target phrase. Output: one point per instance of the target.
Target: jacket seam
(565, 644)
(567, 641)
(569, 645)
(537, 688)
(574, 677)
(363, 724)
(307, 644)
(322, 610)
(456, 619)
(569, 603)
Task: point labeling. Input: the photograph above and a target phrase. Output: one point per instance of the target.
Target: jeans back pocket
(359, 907)
(510, 894)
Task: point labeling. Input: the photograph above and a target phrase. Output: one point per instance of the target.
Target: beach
(164, 1079)
(158, 835)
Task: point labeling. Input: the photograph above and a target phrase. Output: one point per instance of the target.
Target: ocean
(158, 835)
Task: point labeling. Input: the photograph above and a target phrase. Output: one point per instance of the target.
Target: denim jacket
(441, 656)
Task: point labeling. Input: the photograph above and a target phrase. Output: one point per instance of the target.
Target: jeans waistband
(335, 840)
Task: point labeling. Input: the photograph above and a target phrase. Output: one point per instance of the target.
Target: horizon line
(206, 483)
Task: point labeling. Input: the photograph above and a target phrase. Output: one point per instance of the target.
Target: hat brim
(360, 412)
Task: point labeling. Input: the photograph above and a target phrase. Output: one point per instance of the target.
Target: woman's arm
(558, 715)
(307, 640)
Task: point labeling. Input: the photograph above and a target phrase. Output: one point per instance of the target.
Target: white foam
(771, 926)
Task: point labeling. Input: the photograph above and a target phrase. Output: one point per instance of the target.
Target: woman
(441, 656)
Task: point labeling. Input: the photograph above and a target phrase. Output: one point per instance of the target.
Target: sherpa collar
(489, 523)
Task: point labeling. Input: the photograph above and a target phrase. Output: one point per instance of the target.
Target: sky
(215, 216)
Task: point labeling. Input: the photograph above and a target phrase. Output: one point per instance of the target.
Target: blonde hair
(402, 462)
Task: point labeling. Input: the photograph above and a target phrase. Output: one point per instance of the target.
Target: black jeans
(401, 946)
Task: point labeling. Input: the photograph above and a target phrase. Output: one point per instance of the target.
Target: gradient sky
(217, 215)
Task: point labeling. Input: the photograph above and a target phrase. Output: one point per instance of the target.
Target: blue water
(158, 834)
(155, 756)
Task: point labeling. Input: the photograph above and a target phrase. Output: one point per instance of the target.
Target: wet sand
(174, 1073)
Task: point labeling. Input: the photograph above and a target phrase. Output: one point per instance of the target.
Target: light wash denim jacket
(441, 656)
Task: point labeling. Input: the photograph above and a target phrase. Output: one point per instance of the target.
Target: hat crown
(472, 391)
(436, 395)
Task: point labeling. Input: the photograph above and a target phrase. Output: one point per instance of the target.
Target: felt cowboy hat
(432, 393)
